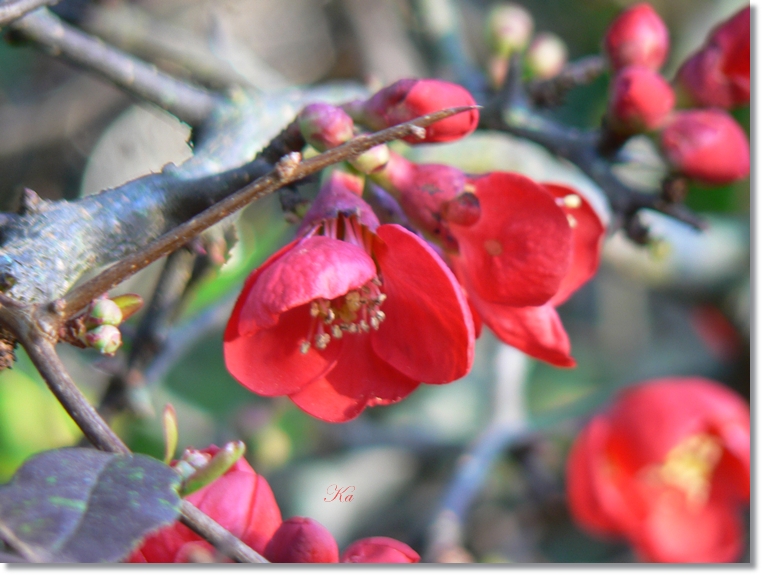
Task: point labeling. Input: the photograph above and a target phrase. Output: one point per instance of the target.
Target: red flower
(637, 37)
(304, 540)
(640, 100)
(667, 467)
(719, 73)
(350, 315)
(241, 501)
(408, 99)
(520, 217)
(706, 145)
(518, 248)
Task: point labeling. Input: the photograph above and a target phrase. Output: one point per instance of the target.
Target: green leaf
(82, 505)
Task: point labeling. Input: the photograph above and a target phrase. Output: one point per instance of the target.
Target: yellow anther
(689, 466)
(304, 347)
(336, 332)
(572, 201)
(322, 340)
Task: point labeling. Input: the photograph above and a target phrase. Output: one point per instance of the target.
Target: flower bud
(105, 338)
(509, 28)
(371, 160)
(103, 312)
(718, 75)
(408, 99)
(169, 421)
(302, 540)
(706, 145)
(546, 56)
(324, 126)
(640, 100)
(129, 304)
(638, 36)
(379, 550)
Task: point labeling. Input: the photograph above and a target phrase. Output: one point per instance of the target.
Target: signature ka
(343, 494)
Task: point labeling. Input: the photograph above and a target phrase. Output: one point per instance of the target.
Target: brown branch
(191, 104)
(551, 92)
(11, 10)
(286, 171)
(220, 537)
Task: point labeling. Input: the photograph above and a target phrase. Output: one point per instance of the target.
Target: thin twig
(11, 10)
(191, 104)
(286, 172)
(551, 92)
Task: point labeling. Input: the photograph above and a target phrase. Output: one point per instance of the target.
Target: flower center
(357, 311)
(690, 464)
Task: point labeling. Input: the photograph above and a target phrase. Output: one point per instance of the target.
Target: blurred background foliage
(681, 308)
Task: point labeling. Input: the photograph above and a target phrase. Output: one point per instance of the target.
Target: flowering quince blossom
(519, 248)
(243, 503)
(719, 73)
(667, 467)
(638, 36)
(351, 314)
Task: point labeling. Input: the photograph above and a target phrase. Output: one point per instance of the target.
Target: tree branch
(551, 92)
(286, 171)
(191, 104)
(11, 10)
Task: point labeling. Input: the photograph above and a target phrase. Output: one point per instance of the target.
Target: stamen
(322, 340)
(304, 347)
(336, 331)
(689, 466)
(572, 201)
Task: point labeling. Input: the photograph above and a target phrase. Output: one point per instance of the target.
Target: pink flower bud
(379, 550)
(719, 73)
(406, 100)
(103, 312)
(640, 100)
(302, 540)
(706, 145)
(638, 36)
(105, 338)
(509, 27)
(324, 126)
(546, 56)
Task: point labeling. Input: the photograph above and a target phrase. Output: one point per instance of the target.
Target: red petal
(537, 331)
(269, 361)
(379, 550)
(316, 267)
(360, 379)
(428, 333)
(520, 249)
(677, 532)
(587, 241)
(581, 488)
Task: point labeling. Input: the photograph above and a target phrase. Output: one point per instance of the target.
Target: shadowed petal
(428, 333)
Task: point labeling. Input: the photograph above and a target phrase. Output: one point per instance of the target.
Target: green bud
(103, 312)
(105, 338)
(371, 160)
(223, 460)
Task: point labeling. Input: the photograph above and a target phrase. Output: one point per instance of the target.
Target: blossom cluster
(242, 502)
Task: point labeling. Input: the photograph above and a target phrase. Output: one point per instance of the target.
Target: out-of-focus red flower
(666, 467)
(353, 314)
(241, 501)
(719, 73)
(706, 145)
(408, 99)
(379, 550)
(519, 248)
(640, 100)
(637, 37)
